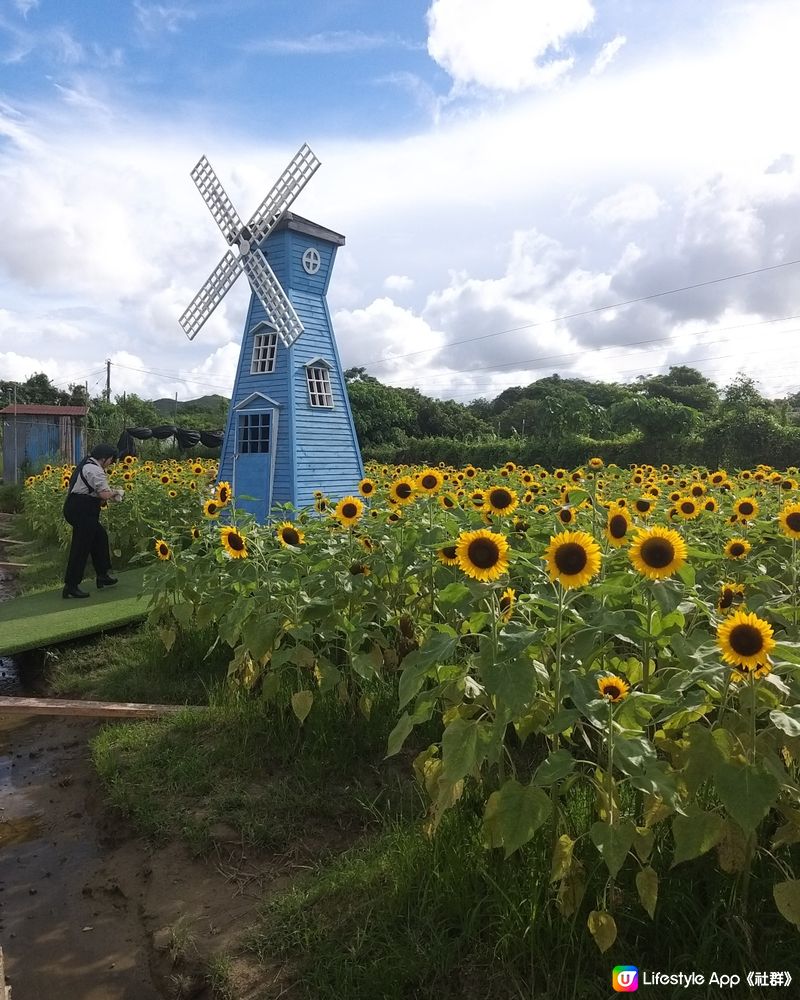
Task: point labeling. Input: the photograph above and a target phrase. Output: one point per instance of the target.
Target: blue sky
(495, 167)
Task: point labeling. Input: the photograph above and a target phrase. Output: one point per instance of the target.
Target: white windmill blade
(219, 204)
(211, 294)
(289, 185)
(279, 309)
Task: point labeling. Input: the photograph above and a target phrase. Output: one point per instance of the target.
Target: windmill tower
(290, 429)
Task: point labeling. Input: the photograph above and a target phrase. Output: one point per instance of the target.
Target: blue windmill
(290, 428)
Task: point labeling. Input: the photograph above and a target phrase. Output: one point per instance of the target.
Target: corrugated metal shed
(33, 435)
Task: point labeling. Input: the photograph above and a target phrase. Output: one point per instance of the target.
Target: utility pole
(108, 380)
(176, 409)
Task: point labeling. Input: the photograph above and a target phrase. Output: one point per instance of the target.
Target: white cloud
(506, 45)
(24, 6)
(607, 55)
(156, 18)
(634, 203)
(322, 43)
(398, 283)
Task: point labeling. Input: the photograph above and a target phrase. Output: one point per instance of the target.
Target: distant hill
(212, 402)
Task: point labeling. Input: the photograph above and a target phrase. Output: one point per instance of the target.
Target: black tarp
(185, 439)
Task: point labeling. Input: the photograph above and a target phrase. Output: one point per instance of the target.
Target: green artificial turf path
(46, 619)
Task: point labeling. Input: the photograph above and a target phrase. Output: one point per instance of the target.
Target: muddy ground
(90, 912)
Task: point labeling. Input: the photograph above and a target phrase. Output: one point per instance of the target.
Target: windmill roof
(300, 225)
(33, 409)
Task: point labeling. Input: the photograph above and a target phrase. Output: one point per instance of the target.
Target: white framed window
(318, 374)
(264, 347)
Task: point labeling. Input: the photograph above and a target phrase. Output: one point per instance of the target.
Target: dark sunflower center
(212, 508)
(697, 491)
(500, 498)
(618, 526)
(746, 508)
(429, 482)
(235, 541)
(710, 505)
(448, 502)
(571, 558)
(483, 553)
(746, 640)
(403, 491)
(737, 549)
(642, 506)
(787, 484)
(505, 604)
(727, 598)
(358, 568)
(612, 691)
(657, 552)
(349, 510)
(163, 549)
(223, 495)
(687, 507)
(367, 488)
(793, 521)
(449, 551)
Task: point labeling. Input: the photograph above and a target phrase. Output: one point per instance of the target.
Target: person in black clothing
(88, 488)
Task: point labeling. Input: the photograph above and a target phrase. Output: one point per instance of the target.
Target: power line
(522, 362)
(174, 378)
(586, 312)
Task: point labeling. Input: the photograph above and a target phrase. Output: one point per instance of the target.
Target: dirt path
(61, 935)
(88, 912)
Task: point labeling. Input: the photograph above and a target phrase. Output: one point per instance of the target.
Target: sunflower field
(607, 658)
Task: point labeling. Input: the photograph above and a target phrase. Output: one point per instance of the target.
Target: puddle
(10, 683)
(19, 831)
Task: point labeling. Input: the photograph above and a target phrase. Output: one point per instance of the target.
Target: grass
(133, 665)
(405, 916)
(284, 788)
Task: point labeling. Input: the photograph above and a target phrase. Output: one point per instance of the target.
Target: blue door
(254, 460)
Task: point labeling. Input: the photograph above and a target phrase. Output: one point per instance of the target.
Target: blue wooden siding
(317, 448)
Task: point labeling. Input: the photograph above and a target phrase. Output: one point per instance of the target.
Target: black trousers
(89, 538)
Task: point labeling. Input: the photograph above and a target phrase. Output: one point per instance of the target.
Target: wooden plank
(88, 709)
(10, 565)
(15, 541)
(5, 991)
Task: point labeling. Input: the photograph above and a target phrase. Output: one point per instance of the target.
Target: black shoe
(106, 581)
(74, 592)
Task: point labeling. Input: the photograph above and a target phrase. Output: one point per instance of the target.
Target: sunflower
(366, 487)
(507, 600)
(470, 472)
(172, 494)
(745, 640)
(710, 505)
(789, 520)
(194, 533)
(737, 548)
(657, 552)
(566, 515)
(402, 490)
(482, 554)
(197, 469)
(429, 481)
(613, 688)
(697, 490)
(366, 543)
(643, 506)
(394, 517)
(287, 534)
(348, 511)
(501, 500)
(211, 509)
(322, 505)
(746, 508)
(163, 551)
(596, 463)
(573, 558)
(234, 543)
(729, 594)
(359, 569)
(618, 526)
(687, 508)
(224, 493)
(447, 500)
(166, 479)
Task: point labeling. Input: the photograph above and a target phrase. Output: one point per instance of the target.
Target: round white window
(311, 260)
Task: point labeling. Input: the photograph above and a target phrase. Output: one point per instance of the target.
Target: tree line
(680, 417)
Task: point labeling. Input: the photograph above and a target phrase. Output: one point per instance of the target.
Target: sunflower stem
(557, 685)
(646, 640)
(610, 772)
(794, 582)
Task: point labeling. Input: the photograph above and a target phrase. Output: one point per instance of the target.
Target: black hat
(103, 451)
